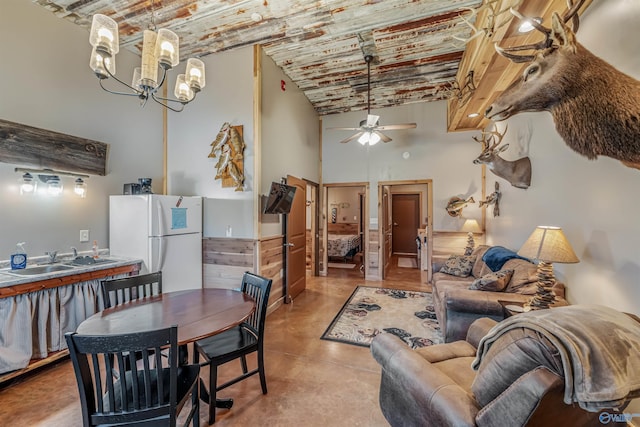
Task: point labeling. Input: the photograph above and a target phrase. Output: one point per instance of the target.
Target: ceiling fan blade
(372, 120)
(398, 126)
(383, 137)
(352, 137)
(343, 128)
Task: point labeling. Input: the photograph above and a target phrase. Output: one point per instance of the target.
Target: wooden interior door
(295, 241)
(405, 212)
(387, 232)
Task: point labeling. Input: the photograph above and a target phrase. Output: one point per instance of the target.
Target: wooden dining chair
(237, 342)
(118, 291)
(145, 393)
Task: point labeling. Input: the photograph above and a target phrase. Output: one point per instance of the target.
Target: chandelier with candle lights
(160, 53)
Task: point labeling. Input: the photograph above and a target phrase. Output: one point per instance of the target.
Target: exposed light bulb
(104, 33)
(167, 48)
(527, 25)
(54, 186)
(80, 188)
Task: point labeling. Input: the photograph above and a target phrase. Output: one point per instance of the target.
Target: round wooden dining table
(198, 313)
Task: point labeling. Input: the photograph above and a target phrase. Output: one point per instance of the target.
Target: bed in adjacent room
(343, 241)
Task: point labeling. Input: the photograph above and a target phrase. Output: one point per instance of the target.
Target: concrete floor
(311, 382)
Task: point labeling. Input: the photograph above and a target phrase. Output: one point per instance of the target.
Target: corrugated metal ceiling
(319, 44)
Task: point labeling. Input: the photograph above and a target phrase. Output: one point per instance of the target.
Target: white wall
(45, 82)
(290, 141)
(227, 97)
(433, 154)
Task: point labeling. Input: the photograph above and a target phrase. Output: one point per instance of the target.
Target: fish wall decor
(493, 199)
(229, 145)
(456, 204)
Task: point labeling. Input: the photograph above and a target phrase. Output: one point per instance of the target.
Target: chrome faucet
(75, 252)
(52, 256)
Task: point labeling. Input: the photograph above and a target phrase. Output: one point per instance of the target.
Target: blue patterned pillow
(459, 265)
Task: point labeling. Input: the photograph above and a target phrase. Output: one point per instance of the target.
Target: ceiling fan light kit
(369, 130)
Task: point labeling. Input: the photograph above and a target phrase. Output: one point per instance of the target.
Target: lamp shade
(471, 226)
(167, 51)
(194, 74)
(548, 244)
(104, 34)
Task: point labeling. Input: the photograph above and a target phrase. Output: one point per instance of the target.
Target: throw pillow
(524, 277)
(494, 282)
(459, 265)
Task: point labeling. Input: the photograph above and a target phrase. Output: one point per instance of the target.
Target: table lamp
(471, 226)
(547, 245)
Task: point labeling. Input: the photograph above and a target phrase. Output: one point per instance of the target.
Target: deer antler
(490, 141)
(490, 28)
(569, 15)
(483, 142)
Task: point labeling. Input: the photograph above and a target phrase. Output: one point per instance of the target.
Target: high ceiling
(321, 44)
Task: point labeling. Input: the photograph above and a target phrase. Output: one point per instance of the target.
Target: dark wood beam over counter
(40, 148)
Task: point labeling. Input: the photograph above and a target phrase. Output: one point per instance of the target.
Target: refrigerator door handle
(161, 253)
(161, 230)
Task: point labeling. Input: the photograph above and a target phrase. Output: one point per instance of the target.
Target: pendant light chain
(153, 16)
(368, 59)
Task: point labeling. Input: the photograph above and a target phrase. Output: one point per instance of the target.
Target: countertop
(7, 280)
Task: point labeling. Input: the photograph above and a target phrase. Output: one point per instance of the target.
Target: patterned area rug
(370, 311)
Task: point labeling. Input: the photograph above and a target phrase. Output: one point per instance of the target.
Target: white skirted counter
(36, 311)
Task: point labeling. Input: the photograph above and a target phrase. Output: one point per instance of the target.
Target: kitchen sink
(40, 269)
(87, 260)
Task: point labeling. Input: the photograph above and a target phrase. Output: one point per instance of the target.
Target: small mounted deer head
(517, 172)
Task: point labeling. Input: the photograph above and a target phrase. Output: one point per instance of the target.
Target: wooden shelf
(492, 72)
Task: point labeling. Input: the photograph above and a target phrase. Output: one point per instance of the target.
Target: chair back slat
(134, 394)
(259, 289)
(120, 291)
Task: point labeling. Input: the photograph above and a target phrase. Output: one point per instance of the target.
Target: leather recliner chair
(432, 386)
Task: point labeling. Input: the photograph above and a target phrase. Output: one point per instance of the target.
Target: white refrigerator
(164, 231)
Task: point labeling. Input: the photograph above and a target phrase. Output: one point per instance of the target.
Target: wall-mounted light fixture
(51, 178)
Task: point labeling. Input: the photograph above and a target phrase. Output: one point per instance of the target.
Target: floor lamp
(547, 245)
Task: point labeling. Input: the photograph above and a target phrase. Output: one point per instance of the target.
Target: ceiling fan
(369, 130)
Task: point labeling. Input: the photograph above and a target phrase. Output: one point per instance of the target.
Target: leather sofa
(456, 306)
(437, 386)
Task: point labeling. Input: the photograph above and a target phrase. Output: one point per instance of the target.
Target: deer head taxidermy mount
(595, 107)
(517, 172)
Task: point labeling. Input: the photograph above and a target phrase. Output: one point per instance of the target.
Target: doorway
(405, 214)
(312, 230)
(405, 211)
(295, 241)
(345, 230)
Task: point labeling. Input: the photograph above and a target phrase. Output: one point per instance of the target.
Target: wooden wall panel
(373, 256)
(271, 263)
(225, 260)
(342, 228)
(453, 242)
